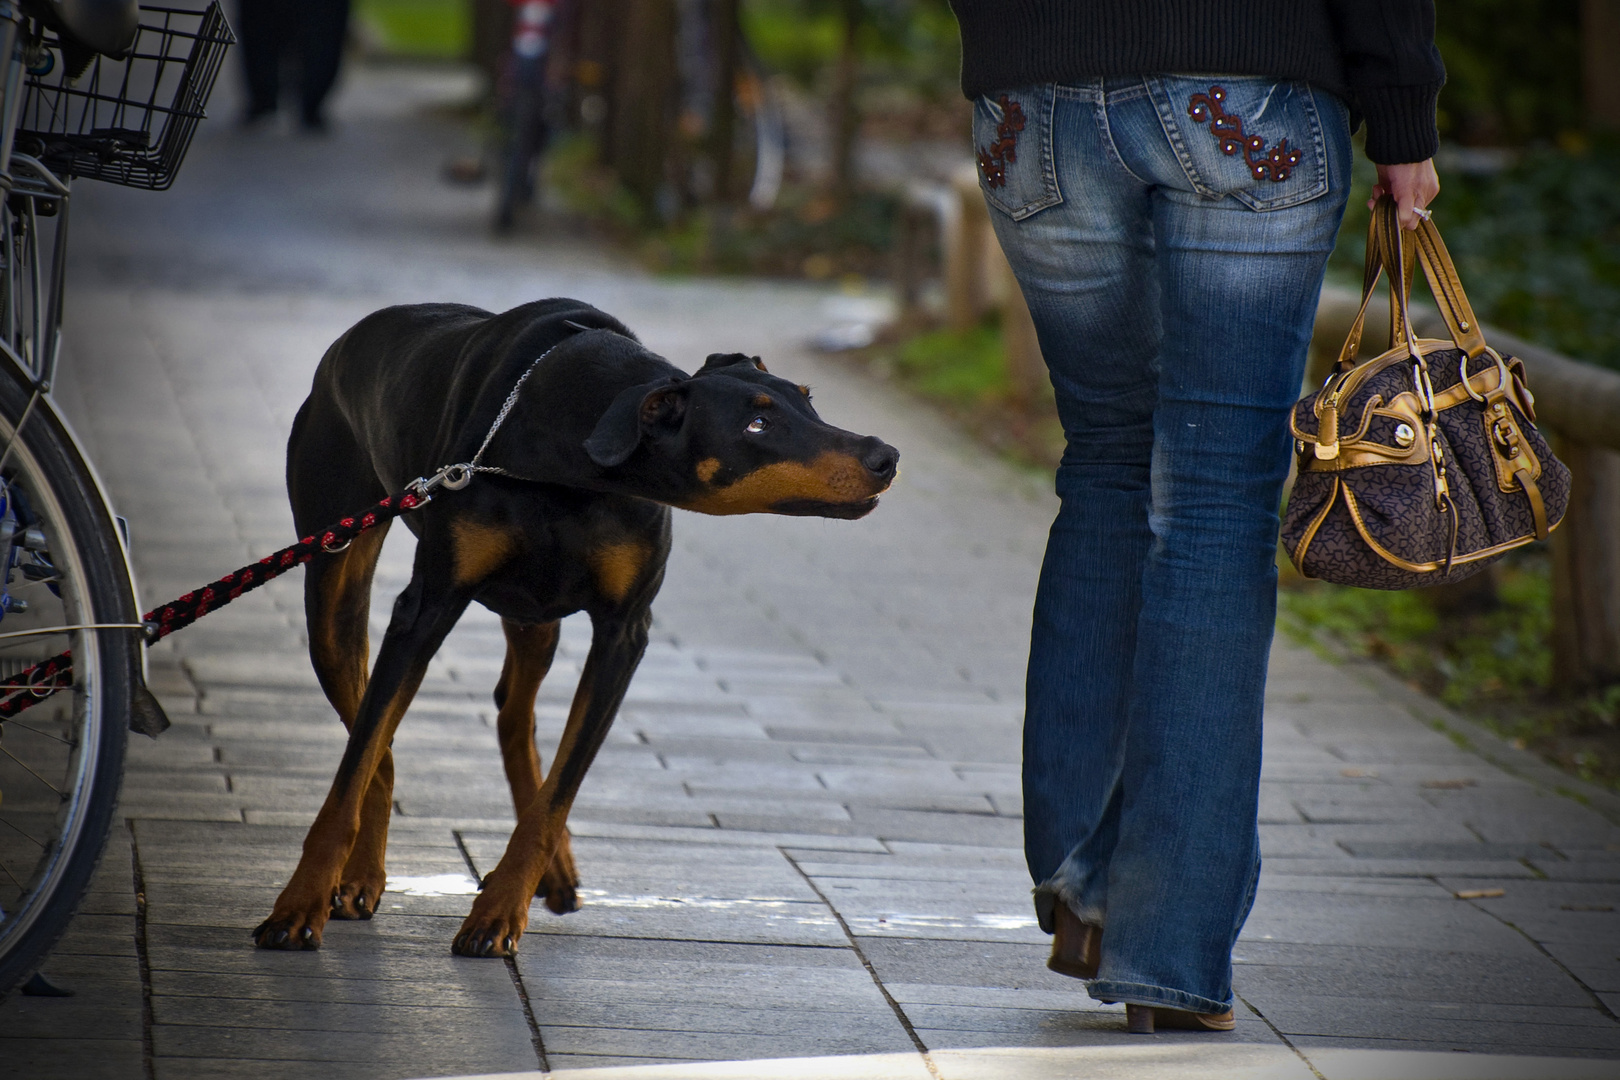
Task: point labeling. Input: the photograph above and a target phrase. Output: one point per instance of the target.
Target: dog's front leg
(501, 911)
(529, 652)
(423, 616)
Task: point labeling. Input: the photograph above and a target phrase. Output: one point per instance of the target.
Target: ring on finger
(1422, 213)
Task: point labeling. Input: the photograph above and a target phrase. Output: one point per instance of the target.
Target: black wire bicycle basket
(127, 121)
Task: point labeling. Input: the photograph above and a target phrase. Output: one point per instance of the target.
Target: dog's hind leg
(423, 615)
(329, 476)
(337, 605)
(529, 651)
(501, 911)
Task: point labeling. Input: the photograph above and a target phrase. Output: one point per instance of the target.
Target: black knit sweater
(1378, 55)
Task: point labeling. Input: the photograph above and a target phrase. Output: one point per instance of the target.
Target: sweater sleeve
(1395, 71)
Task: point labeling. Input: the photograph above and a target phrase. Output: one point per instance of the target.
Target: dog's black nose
(880, 459)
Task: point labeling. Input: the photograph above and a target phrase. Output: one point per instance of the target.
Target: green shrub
(1513, 70)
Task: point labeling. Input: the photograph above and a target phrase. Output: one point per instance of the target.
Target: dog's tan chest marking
(834, 478)
(479, 550)
(616, 567)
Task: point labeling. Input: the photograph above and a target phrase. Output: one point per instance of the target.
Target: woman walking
(1167, 178)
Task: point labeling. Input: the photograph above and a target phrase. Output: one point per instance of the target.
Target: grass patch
(427, 29)
(1485, 652)
(960, 367)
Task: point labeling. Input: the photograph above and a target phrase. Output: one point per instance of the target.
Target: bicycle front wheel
(64, 585)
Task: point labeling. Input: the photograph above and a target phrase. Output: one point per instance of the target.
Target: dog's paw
(493, 928)
(289, 931)
(559, 885)
(561, 897)
(357, 899)
(495, 938)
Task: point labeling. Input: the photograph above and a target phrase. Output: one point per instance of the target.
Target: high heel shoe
(1144, 1019)
(1076, 945)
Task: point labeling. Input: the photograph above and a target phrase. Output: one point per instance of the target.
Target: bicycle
(92, 90)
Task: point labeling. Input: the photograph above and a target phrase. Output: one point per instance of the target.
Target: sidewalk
(802, 838)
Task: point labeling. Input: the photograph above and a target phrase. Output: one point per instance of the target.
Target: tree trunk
(1586, 573)
(595, 68)
(845, 112)
(722, 139)
(967, 263)
(1600, 45)
(644, 96)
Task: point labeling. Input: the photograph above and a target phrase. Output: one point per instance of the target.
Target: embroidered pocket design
(1275, 166)
(1004, 147)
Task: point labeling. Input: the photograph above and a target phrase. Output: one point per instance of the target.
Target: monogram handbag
(1421, 465)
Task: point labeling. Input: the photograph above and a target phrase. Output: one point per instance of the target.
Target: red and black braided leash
(35, 684)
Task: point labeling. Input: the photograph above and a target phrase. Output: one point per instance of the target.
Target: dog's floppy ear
(725, 360)
(634, 412)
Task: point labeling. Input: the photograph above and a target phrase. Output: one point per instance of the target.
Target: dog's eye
(757, 425)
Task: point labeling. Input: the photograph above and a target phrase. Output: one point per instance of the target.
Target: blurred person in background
(311, 33)
(1167, 178)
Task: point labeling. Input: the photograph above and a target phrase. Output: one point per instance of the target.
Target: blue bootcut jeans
(1173, 291)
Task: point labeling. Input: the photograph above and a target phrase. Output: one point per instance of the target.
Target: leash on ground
(34, 684)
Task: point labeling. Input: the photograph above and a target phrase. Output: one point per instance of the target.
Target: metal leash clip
(451, 478)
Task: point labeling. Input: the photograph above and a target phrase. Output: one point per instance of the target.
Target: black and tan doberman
(603, 439)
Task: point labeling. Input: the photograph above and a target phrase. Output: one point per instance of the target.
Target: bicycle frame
(31, 331)
(31, 307)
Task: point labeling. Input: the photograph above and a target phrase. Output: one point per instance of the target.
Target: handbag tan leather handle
(1448, 291)
(1381, 245)
(1387, 246)
(1385, 249)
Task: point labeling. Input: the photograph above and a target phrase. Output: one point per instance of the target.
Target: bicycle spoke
(29, 583)
(60, 793)
(19, 726)
(16, 431)
(19, 831)
(13, 878)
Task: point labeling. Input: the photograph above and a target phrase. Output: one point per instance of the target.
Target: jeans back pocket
(1012, 142)
(1255, 139)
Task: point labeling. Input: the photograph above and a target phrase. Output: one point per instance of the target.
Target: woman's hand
(1413, 186)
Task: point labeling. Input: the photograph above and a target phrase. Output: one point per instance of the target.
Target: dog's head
(735, 439)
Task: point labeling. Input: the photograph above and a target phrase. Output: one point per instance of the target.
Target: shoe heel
(1076, 946)
(1139, 1018)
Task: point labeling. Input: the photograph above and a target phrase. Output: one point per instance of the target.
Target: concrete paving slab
(58, 1055)
(962, 910)
(1448, 1023)
(1401, 974)
(500, 1046)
